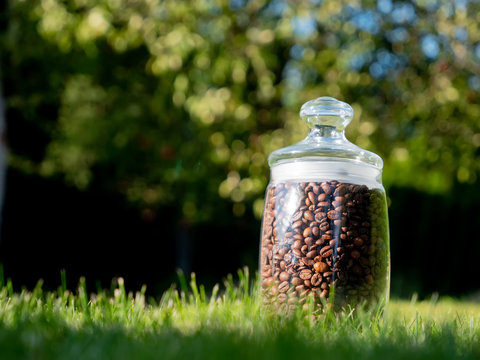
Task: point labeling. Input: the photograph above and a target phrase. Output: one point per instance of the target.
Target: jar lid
(327, 118)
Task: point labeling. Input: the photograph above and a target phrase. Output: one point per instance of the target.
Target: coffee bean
(296, 224)
(326, 188)
(320, 267)
(284, 276)
(297, 244)
(297, 216)
(305, 274)
(304, 249)
(307, 232)
(324, 250)
(300, 288)
(268, 281)
(358, 241)
(340, 190)
(297, 253)
(296, 281)
(307, 261)
(327, 274)
(316, 279)
(308, 215)
(336, 204)
(355, 254)
(333, 214)
(283, 287)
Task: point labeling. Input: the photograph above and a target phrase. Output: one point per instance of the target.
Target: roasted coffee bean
(268, 281)
(316, 279)
(326, 188)
(300, 288)
(304, 249)
(324, 250)
(307, 261)
(336, 204)
(296, 224)
(322, 197)
(308, 215)
(333, 214)
(355, 254)
(297, 244)
(358, 241)
(320, 267)
(305, 274)
(296, 281)
(297, 253)
(327, 274)
(297, 216)
(284, 276)
(283, 287)
(307, 232)
(340, 190)
(324, 226)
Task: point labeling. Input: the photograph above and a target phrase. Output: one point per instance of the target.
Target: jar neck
(321, 132)
(325, 169)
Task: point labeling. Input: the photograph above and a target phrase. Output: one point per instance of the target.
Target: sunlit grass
(226, 322)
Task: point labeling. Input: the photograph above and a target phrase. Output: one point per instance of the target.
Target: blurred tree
(180, 102)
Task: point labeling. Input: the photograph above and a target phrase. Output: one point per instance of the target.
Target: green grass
(229, 324)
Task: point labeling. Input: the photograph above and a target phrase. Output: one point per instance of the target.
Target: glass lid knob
(326, 112)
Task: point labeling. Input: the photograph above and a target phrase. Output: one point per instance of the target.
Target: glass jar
(324, 230)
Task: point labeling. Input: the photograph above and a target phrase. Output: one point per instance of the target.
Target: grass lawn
(228, 324)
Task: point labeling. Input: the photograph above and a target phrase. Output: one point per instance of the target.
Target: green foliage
(180, 102)
(186, 324)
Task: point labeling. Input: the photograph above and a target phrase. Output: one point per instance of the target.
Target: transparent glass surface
(324, 230)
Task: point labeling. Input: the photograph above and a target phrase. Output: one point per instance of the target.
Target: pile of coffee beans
(325, 240)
